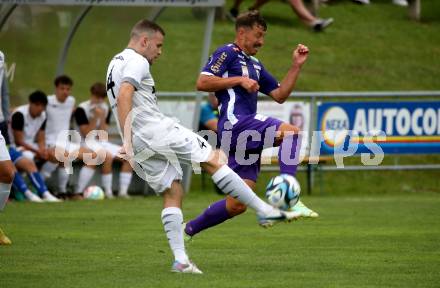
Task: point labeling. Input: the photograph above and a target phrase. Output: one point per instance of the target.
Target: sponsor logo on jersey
(216, 66)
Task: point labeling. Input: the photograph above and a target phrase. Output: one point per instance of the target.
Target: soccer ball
(283, 191)
(94, 193)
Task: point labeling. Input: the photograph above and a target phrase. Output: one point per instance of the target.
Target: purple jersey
(230, 61)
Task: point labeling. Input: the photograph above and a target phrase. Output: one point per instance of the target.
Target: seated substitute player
(59, 112)
(95, 114)
(28, 123)
(156, 144)
(7, 172)
(236, 77)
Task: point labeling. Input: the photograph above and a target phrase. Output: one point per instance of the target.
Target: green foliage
(372, 47)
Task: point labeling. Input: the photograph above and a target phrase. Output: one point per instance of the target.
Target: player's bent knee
(218, 158)
(215, 161)
(235, 207)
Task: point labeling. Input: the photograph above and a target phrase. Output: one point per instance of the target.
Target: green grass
(374, 241)
(371, 47)
(377, 229)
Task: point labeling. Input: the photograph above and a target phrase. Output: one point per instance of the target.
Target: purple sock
(288, 155)
(213, 215)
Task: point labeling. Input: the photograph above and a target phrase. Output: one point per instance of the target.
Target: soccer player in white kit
(7, 172)
(156, 143)
(94, 114)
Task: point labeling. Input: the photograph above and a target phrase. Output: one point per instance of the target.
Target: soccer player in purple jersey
(236, 77)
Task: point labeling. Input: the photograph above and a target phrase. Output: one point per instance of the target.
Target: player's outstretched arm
(288, 84)
(212, 83)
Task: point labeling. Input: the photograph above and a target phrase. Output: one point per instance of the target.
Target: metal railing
(313, 98)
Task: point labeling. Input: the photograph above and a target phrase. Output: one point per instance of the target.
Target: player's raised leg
(232, 185)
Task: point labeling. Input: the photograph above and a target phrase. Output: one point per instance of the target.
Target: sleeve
(5, 97)
(267, 82)
(17, 121)
(206, 114)
(109, 117)
(135, 71)
(80, 117)
(43, 126)
(219, 61)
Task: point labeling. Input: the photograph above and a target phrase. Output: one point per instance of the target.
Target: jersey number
(201, 143)
(111, 83)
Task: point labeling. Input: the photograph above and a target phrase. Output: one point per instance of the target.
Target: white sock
(4, 194)
(48, 168)
(107, 180)
(172, 220)
(124, 182)
(85, 175)
(231, 184)
(63, 179)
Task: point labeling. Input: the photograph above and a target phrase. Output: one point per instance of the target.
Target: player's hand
(250, 85)
(125, 152)
(300, 55)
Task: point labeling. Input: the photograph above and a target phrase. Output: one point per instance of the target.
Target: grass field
(377, 229)
(374, 241)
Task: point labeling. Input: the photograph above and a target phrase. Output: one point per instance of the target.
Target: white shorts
(111, 148)
(4, 152)
(160, 150)
(68, 146)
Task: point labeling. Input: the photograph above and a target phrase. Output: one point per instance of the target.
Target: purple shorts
(248, 137)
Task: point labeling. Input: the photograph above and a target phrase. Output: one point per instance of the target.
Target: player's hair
(98, 90)
(145, 26)
(249, 19)
(63, 79)
(38, 97)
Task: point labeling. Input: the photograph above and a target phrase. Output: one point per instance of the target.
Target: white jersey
(159, 142)
(58, 117)
(84, 112)
(129, 66)
(23, 121)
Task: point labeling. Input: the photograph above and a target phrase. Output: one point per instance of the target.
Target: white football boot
(188, 268)
(32, 197)
(277, 216)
